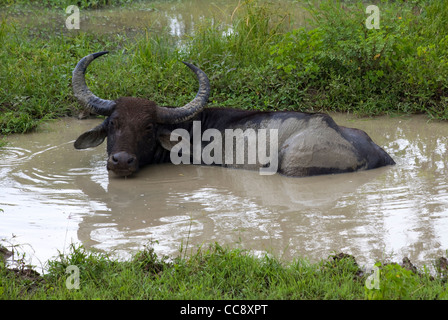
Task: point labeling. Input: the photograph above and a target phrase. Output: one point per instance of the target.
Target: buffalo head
(131, 126)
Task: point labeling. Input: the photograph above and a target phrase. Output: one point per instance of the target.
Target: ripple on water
(12, 156)
(401, 209)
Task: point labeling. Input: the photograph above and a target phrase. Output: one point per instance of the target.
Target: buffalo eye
(149, 127)
(114, 123)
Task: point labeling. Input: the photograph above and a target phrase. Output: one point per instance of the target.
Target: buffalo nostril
(123, 158)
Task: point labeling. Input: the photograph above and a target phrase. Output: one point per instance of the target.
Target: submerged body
(140, 133)
(308, 144)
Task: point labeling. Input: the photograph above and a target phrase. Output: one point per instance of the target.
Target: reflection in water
(175, 18)
(179, 18)
(53, 195)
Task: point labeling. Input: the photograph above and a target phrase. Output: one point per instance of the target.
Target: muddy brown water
(53, 195)
(173, 18)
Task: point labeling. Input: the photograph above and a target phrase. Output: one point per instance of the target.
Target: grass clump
(214, 273)
(35, 77)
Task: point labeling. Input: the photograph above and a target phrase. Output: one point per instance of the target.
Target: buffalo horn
(188, 111)
(82, 92)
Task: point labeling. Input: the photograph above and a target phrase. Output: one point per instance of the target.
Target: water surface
(53, 195)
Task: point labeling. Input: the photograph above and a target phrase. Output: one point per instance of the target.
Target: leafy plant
(395, 282)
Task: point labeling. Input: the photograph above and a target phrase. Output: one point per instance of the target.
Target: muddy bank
(28, 281)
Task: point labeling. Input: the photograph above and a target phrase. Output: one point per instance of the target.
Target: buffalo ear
(168, 139)
(92, 138)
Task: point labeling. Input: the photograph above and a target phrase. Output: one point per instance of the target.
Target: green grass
(215, 273)
(399, 68)
(335, 63)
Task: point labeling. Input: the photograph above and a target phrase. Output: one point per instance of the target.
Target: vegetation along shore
(332, 62)
(215, 273)
(260, 59)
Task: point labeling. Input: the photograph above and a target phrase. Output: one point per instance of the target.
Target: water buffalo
(139, 132)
